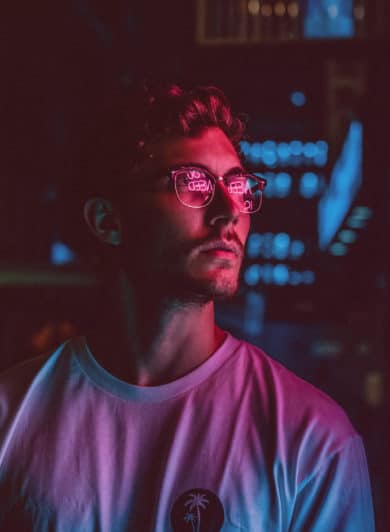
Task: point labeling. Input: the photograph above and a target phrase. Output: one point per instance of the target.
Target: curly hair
(136, 118)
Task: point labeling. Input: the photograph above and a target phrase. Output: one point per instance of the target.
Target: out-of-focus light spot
(338, 249)
(333, 10)
(359, 12)
(308, 277)
(293, 9)
(298, 98)
(310, 149)
(280, 274)
(309, 184)
(295, 278)
(252, 274)
(254, 245)
(254, 313)
(61, 254)
(269, 189)
(254, 7)
(346, 179)
(281, 246)
(355, 223)
(267, 272)
(283, 150)
(297, 249)
(362, 212)
(296, 147)
(266, 10)
(347, 236)
(280, 9)
(255, 151)
(282, 185)
(245, 147)
(322, 146)
(269, 156)
(321, 159)
(268, 245)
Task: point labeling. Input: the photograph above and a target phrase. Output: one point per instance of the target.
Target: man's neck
(150, 340)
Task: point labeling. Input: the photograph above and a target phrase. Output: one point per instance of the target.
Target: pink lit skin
(201, 247)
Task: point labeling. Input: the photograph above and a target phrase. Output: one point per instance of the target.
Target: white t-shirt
(240, 443)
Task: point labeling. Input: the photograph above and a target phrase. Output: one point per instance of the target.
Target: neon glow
(298, 98)
(277, 274)
(346, 179)
(60, 254)
(329, 18)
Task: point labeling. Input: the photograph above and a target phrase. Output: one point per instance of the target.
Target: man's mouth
(221, 248)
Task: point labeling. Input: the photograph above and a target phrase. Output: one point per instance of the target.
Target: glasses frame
(173, 172)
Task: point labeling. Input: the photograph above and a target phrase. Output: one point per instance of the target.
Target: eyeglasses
(195, 187)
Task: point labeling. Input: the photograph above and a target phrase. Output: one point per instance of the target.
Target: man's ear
(103, 220)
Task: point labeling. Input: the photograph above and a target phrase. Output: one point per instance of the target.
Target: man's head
(166, 232)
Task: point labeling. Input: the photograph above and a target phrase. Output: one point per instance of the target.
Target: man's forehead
(211, 148)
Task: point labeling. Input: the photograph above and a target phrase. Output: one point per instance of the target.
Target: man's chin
(210, 289)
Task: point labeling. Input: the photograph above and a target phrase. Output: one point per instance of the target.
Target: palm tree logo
(196, 501)
(195, 510)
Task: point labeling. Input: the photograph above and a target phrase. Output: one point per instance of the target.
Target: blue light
(309, 185)
(269, 156)
(296, 147)
(282, 185)
(347, 236)
(329, 18)
(338, 249)
(284, 151)
(362, 212)
(254, 245)
(269, 189)
(298, 98)
(252, 274)
(254, 313)
(322, 146)
(255, 152)
(344, 184)
(320, 159)
(297, 249)
(308, 277)
(355, 223)
(245, 147)
(267, 273)
(281, 246)
(61, 254)
(295, 278)
(280, 274)
(268, 245)
(310, 150)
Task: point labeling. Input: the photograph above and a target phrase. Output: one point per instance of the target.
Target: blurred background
(311, 76)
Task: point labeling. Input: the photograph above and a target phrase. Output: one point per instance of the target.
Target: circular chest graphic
(197, 510)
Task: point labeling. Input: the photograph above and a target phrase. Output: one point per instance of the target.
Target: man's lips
(221, 246)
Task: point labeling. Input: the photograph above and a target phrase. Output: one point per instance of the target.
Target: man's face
(186, 250)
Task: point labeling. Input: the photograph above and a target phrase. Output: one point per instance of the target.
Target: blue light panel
(329, 19)
(344, 184)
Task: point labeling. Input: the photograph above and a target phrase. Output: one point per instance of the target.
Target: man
(159, 420)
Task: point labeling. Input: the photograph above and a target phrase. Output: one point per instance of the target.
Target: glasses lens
(194, 187)
(247, 192)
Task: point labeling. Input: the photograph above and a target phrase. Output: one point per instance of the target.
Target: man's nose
(224, 208)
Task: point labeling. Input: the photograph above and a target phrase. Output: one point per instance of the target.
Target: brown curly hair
(138, 117)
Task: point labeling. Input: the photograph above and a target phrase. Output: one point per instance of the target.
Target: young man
(159, 420)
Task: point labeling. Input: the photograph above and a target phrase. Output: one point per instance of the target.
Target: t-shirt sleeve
(337, 496)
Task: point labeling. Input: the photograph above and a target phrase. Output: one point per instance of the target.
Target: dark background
(59, 62)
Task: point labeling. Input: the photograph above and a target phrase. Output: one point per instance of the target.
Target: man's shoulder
(16, 381)
(294, 401)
